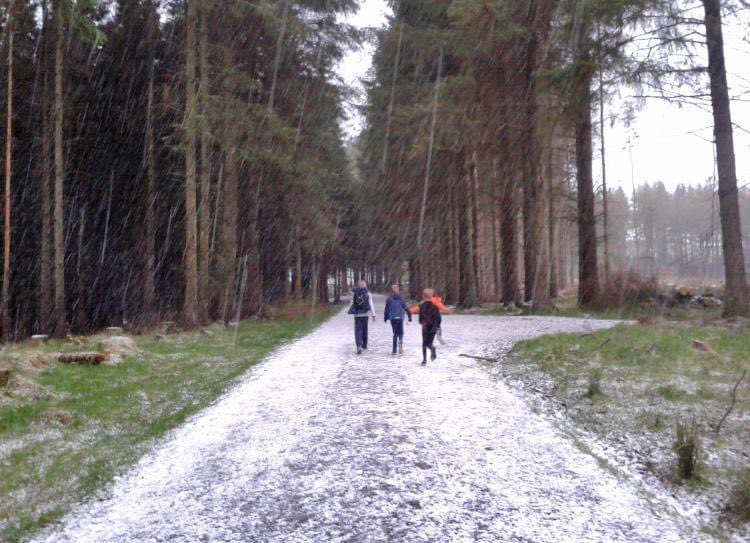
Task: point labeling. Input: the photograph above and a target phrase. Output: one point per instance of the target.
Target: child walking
(438, 301)
(362, 309)
(430, 319)
(395, 311)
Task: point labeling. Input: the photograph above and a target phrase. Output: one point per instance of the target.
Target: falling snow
(320, 444)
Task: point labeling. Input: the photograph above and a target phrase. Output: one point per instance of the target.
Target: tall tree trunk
(636, 233)
(532, 199)
(80, 272)
(190, 303)
(227, 265)
(5, 306)
(605, 194)
(391, 101)
(496, 270)
(588, 272)
(428, 167)
(323, 296)
(277, 56)
(298, 272)
(508, 229)
(45, 277)
(475, 229)
(60, 316)
(205, 171)
(553, 238)
(149, 160)
(736, 292)
(468, 293)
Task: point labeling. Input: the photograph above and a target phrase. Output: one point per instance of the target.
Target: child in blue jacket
(396, 311)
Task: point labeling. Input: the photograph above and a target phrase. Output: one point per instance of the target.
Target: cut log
(83, 359)
(114, 331)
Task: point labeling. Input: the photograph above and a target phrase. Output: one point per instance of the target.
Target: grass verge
(634, 385)
(78, 427)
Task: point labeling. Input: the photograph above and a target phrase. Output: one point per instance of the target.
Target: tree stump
(38, 340)
(5, 374)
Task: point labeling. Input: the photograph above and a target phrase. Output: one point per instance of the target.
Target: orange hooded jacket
(437, 300)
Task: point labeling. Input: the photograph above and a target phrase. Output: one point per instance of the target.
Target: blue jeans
(398, 332)
(360, 331)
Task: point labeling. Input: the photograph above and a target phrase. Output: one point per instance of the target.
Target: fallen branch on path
(717, 429)
(482, 358)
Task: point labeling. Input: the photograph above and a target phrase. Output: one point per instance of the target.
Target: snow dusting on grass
(652, 379)
(319, 444)
(98, 421)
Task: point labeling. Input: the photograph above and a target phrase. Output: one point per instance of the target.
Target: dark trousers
(428, 338)
(360, 331)
(398, 332)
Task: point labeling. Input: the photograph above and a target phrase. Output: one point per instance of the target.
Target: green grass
(646, 379)
(112, 415)
(568, 307)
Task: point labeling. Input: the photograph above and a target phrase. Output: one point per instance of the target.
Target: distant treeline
(671, 235)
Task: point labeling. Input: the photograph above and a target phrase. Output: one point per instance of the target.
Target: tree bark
(530, 183)
(5, 305)
(149, 159)
(60, 316)
(391, 101)
(190, 303)
(205, 169)
(430, 149)
(736, 292)
(227, 265)
(277, 56)
(468, 292)
(605, 194)
(553, 229)
(45, 282)
(475, 229)
(588, 272)
(508, 229)
(80, 311)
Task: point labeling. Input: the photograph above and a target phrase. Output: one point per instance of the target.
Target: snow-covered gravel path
(318, 444)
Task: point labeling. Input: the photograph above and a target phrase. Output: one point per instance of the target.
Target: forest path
(319, 444)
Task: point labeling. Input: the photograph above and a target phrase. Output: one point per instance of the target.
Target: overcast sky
(670, 143)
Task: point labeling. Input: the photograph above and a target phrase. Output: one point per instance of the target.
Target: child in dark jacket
(396, 311)
(430, 319)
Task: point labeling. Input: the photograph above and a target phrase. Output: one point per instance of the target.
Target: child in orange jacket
(437, 302)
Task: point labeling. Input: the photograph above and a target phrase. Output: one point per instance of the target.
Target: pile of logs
(83, 358)
(682, 296)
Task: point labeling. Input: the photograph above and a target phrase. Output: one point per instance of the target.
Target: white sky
(354, 67)
(670, 144)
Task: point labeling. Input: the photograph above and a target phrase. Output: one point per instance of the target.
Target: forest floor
(626, 389)
(319, 444)
(67, 430)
